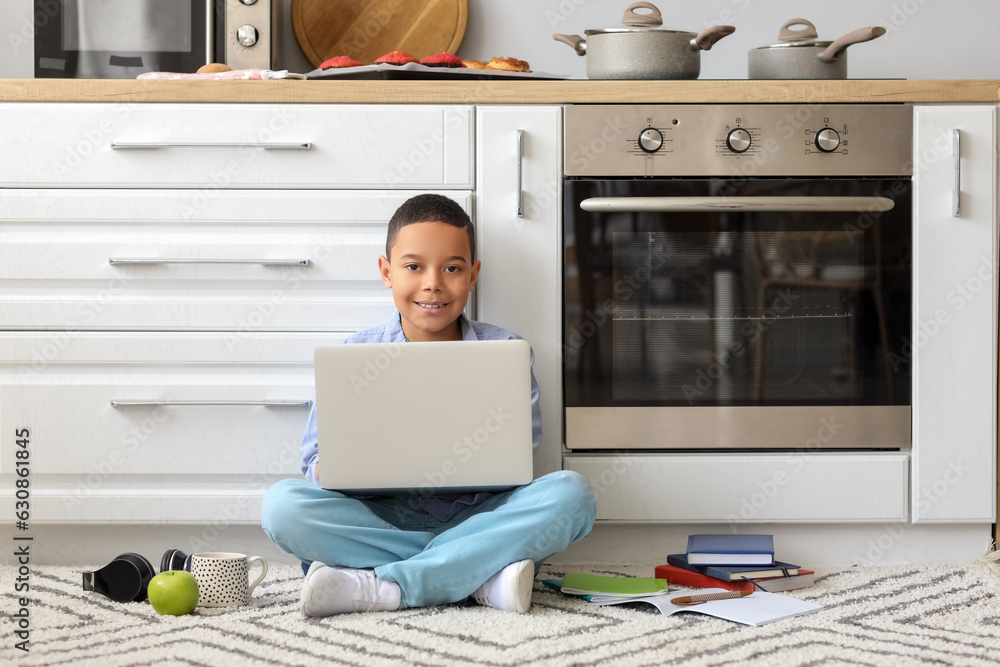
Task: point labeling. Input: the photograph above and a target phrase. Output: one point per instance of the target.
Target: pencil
(708, 597)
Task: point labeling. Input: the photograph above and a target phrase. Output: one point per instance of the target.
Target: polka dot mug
(224, 578)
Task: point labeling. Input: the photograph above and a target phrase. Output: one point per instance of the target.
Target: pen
(708, 597)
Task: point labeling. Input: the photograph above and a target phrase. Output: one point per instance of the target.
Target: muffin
(474, 64)
(339, 61)
(508, 65)
(396, 58)
(442, 59)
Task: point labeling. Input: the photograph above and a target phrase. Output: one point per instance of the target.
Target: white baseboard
(809, 545)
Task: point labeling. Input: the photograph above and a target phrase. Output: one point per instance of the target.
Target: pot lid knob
(650, 20)
(786, 34)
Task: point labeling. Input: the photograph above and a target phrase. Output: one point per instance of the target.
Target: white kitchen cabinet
(746, 489)
(160, 301)
(250, 260)
(519, 227)
(955, 294)
(136, 426)
(220, 146)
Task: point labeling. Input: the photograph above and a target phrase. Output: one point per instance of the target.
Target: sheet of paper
(756, 609)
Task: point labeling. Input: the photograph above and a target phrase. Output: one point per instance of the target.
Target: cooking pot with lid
(799, 55)
(641, 50)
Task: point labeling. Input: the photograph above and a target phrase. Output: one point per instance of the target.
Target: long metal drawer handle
(698, 204)
(181, 260)
(520, 174)
(265, 403)
(956, 151)
(132, 145)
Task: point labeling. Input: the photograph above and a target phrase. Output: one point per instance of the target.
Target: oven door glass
(109, 39)
(749, 304)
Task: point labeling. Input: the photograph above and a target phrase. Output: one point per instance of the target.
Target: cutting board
(367, 29)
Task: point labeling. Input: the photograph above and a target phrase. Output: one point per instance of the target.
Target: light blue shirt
(440, 507)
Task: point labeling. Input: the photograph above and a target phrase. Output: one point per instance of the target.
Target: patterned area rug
(907, 615)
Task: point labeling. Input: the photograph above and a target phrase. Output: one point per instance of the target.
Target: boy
(376, 554)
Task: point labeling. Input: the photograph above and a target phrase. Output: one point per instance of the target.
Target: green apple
(174, 592)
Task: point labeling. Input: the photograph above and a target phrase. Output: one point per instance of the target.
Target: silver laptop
(439, 417)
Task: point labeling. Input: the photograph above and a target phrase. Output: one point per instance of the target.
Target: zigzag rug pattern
(912, 615)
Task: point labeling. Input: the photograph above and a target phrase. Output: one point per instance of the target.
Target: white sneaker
(332, 590)
(510, 588)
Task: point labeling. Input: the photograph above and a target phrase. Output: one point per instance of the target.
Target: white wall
(926, 39)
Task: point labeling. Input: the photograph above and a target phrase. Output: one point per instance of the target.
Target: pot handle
(578, 43)
(654, 18)
(709, 36)
(786, 34)
(838, 47)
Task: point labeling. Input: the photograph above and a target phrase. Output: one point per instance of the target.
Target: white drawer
(748, 488)
(239, 261)
(236, 145)
(141, 417)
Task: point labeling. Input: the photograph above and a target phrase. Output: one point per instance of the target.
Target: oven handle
(703, 204)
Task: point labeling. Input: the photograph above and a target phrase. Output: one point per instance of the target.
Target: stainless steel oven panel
(22, 20)
(739, 140)
(804, 428)
(241, 22)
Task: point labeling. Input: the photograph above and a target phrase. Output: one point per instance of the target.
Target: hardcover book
(733, 573)
(717, 549)
(679, 576)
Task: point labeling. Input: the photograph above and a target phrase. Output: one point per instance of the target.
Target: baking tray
(418, 72)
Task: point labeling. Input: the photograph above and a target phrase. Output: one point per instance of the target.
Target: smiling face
(431, 274)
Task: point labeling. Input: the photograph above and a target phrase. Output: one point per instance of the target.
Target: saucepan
(799, 55)
(641, 50)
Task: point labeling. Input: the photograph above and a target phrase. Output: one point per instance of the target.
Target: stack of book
(733, 562)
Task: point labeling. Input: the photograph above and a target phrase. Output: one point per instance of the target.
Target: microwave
(120, 39)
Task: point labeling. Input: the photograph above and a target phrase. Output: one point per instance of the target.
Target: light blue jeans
(433, 562)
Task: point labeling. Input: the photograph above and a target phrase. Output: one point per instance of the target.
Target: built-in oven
(120, 39)
(737, 276)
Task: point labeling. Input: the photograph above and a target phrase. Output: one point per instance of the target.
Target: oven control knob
(827, 140)
(247, 35)
(738, 140)
(650, 140)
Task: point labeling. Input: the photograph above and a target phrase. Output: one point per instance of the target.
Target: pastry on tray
(442, 59)
(339, 61)
(395, 58)
(474, 64)
(508, 65)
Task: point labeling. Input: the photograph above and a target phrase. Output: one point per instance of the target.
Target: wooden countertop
(501, 92)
